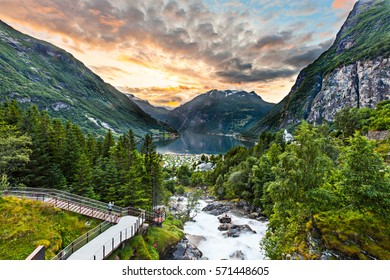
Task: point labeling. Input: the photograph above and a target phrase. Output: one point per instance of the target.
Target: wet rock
(186, 251)
(225, 219)
(237, 255)
(223, 227)
(236, 230)
(216, 208)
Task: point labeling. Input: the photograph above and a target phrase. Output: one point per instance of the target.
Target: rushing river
(204, 234)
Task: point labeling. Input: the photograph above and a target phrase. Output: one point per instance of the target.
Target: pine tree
(109, 142)
(83, 178)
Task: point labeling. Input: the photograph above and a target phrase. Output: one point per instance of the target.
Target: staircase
(120, 224)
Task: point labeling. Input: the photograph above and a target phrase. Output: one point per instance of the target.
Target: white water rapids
(204, 234)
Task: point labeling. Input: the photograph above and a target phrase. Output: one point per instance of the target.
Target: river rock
(225, 219)
(217, 208)
(186, 251)
(223, 227)
(237, 255)
(236, 230)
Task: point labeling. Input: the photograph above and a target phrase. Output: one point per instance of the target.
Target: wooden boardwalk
(84, 210)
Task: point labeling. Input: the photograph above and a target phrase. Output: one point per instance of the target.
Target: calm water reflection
(190, 143)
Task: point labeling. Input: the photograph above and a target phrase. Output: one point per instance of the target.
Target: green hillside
(26, 224)
(34, 71)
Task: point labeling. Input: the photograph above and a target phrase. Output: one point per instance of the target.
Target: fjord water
(191, 143)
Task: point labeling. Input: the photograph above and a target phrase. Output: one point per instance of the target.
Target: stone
(225, 219)
(223, 227)
(186, 251)
(217, 208)
(237, 255)
(236, 230)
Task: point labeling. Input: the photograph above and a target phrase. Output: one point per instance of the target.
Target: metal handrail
(82, 240)
(74, 198)
(123, 235)
(141, 215)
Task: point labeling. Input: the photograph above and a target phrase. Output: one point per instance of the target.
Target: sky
(169, 51)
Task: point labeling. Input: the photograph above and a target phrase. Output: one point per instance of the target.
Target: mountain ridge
(37, 72)
(354, 71)
(213, 112)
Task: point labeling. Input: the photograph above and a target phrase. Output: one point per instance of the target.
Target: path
(84, 210)
(103, 245)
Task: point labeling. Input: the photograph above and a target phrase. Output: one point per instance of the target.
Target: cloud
(256, 75)
(343, 4)
(183, 42)
(307, 56)
(274, 40)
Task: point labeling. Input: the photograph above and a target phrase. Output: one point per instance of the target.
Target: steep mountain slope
(36, 72)
(355, 71)
(158, 113)
(225, 112)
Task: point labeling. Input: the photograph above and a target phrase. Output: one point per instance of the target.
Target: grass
(26, 224)
(153, 244)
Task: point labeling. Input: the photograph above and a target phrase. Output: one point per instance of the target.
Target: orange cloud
(343, 4)
(133, 60)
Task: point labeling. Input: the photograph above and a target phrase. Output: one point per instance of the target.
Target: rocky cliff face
(355, 71)
(360, 84)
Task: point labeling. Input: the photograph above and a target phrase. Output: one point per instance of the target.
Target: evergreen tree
(109, 142)
(83, 178)
(70, 155)
(152, 176)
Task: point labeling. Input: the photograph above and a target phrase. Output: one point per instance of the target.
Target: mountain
(36, 72)
(158, 113)
(355, 71)
(219, 112)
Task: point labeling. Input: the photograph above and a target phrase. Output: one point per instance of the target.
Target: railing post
(87, 237)
(120, 239)
(112, 244)
(131, 231)
(72, 247)
(104, 251)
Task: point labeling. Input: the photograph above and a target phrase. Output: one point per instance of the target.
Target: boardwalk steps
(118, 225)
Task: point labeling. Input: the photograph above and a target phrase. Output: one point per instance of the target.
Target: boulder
(225, 219)
(236, 230)
(217, 208)
(223, 227)
(186, 251)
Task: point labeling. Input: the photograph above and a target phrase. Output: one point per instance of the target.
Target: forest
(37, 151)
(328, 189)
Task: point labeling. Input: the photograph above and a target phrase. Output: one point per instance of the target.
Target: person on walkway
(110, 207)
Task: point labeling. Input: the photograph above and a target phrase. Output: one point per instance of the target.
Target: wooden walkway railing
(91, 208)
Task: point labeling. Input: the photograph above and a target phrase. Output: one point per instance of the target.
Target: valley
(305, 178)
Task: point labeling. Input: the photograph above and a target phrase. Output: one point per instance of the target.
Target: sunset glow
(170, 51)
